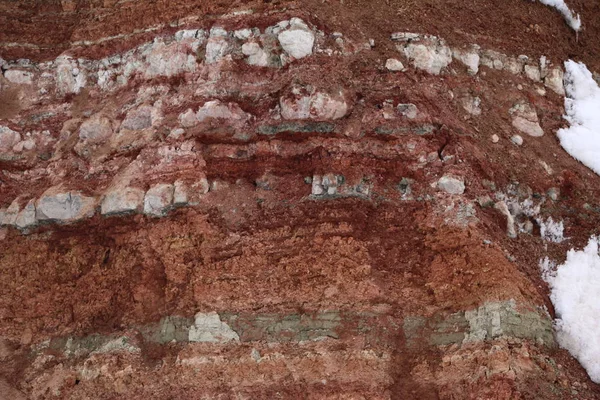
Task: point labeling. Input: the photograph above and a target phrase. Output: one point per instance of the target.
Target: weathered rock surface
(281, 200)
(58, 205)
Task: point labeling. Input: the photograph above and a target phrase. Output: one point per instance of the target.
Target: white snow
(582, 104)
(573, 21)
(575, 293)
(551, 230)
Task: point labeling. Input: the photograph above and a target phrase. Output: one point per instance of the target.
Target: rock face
(279, 199)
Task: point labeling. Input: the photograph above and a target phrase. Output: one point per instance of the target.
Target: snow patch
(575, 293)
(582, 104)
(573, 21)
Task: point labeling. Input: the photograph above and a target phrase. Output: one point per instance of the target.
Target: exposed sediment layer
(278, 204)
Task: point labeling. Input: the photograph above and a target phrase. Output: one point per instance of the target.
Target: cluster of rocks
(169, 56)
(431, 54)
(331, 185)
(57, 205)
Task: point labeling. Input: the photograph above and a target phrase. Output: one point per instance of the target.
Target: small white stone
(451, 185)
(517, 139)
(393, 64)
(495, 138)
(8, 138)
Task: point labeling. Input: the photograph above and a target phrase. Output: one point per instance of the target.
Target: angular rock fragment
(297, 40)
(428, 53)
(158, 200)
(533, 72)
(8, 138)
(451, 185)
(230, 113)
(256, 55)
(525, 119)
(217, 45)
(554, 81)
(393, 64)
(470, 58)
(122, 200)
(208, 327)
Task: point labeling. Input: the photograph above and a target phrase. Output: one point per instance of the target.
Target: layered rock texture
(278, 199)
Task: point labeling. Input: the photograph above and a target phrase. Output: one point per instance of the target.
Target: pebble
(517, 139)
(495, 138)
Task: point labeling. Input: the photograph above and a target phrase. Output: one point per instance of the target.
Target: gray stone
(471, 104)
(451, 185)
(393, 64)
(208, 327)
(517, 139)
(158, 200)
(122, 200)
(407, 110)
(96, 129)
(511, 231)
(138, 119)
(8, 138)
(26, 217)
(256, 55)
(55, 205)
(297, 127)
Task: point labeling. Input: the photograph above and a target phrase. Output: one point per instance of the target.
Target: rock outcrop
(286, 199)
